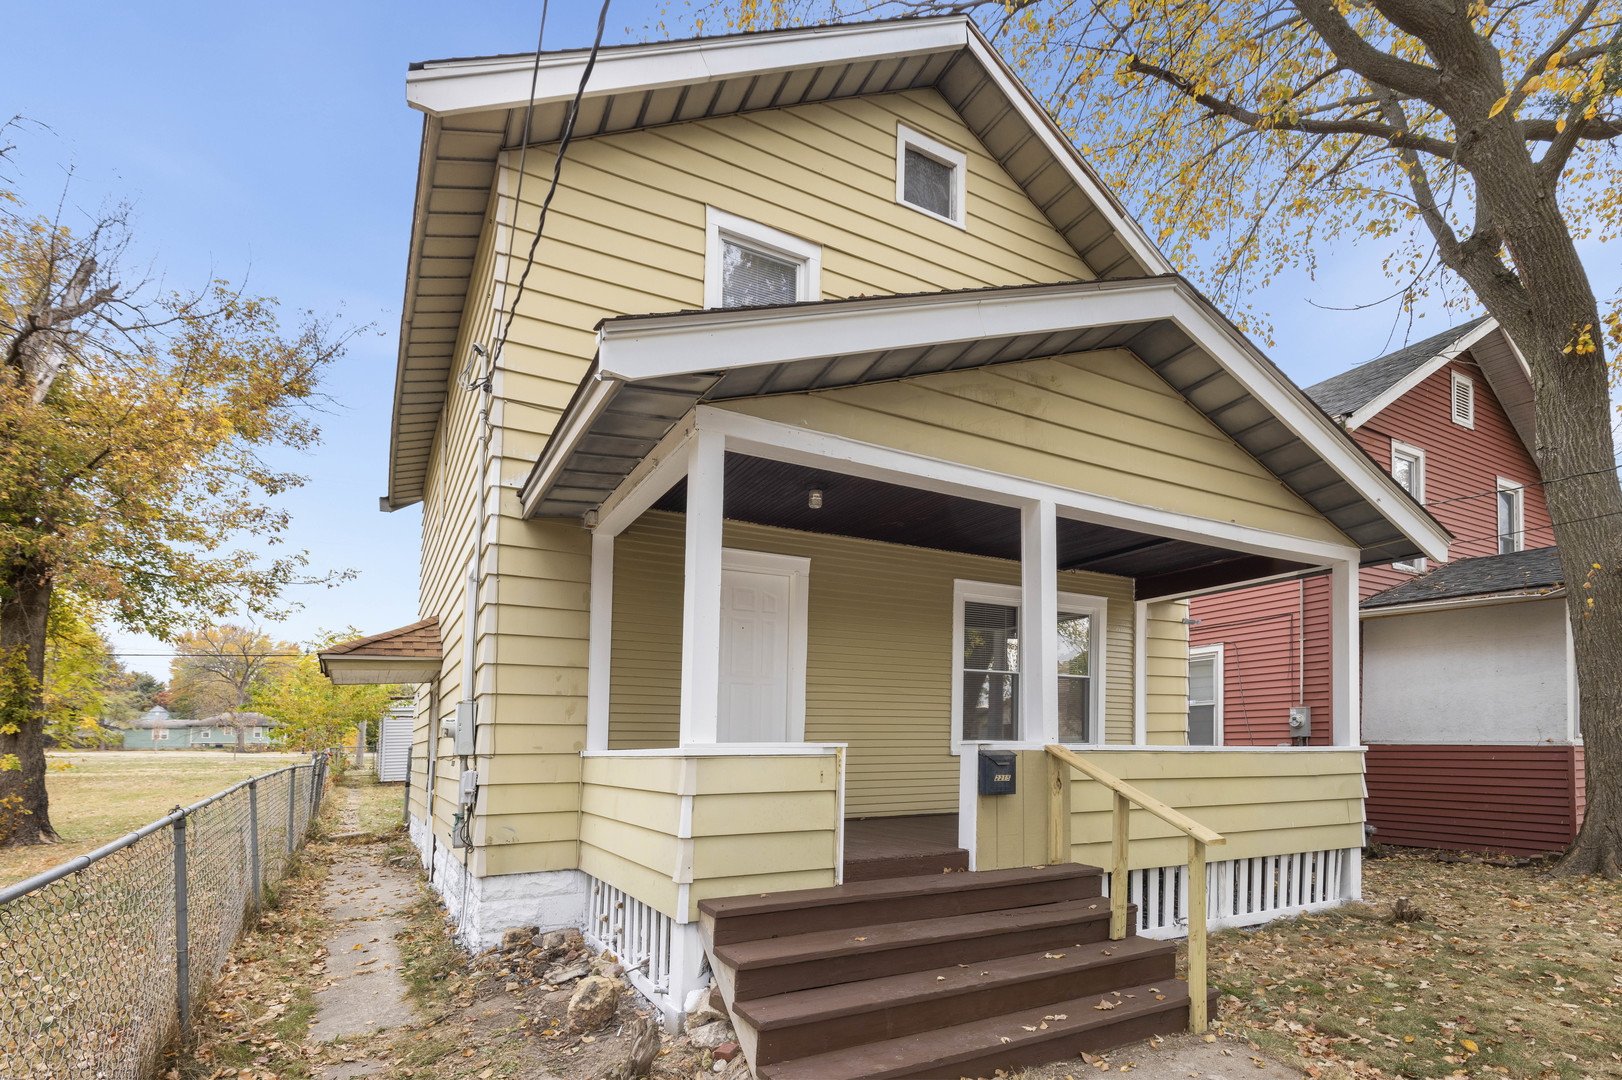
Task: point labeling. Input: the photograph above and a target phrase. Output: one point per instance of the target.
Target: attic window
(930, 176)
(1464, 400)
(747, 264)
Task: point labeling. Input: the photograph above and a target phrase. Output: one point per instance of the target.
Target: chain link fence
(103, 958)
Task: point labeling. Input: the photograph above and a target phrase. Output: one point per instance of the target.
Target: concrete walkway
(364, 992)
(1180, 1057)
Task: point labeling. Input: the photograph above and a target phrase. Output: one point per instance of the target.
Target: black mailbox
(996, 772)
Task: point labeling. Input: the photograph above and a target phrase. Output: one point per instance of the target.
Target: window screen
(990, 671)
(1202, 701)
(1075, 677)
(1509, 521)
(928, 183)
(750, 278)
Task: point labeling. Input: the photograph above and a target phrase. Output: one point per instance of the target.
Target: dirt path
(364, 902)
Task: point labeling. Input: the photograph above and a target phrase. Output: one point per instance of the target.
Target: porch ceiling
(774, 493)
(622, 409)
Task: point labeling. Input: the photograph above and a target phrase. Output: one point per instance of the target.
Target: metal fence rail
(103, 958)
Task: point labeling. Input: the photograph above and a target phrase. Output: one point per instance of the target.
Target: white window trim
(1073, 603)
(1453, 397)
(719, 225)
(1518, 529)
(160, 735)
(1402, 449)
(906, 137)
(798, 571)
(1208, 652)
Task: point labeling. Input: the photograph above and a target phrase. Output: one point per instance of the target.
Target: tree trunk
(1577, 458)
(25, 604)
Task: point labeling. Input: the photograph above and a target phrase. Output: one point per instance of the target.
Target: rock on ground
(593, 1003)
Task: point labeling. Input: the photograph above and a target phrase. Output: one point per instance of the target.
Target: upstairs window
(930, 176)
(1511, 517)
(747, 264)
(1408, 470)
(1464, 400)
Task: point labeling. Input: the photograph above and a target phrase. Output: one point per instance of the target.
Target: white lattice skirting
(663, 959)
(1244, 892)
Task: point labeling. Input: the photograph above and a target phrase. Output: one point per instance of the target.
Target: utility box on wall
(1300, 721)
(996, 772)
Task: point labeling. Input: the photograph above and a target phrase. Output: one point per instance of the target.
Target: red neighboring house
(1469, 692)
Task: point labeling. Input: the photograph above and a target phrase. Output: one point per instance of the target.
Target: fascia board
(1417, 607)
(429, 156)
(577, 421)
(1064, 152)
(1419, 375)
(463, 86)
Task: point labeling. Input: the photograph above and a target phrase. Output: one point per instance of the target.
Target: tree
(133, 427)
(81, 676)
(1475, 142)
(314, 713)
(217, 668)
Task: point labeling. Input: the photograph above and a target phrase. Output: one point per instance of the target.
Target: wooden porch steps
(956, 975)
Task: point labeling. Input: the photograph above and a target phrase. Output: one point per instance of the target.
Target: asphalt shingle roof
(1344, 394)
(1520, 571)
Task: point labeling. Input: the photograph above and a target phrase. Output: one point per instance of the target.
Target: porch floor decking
(890, 847)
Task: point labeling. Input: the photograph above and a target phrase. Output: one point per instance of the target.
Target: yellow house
(846, 430)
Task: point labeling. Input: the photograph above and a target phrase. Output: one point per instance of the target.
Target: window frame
(1518, 530)
(1456, 378)
(1214, 653)
(1417, 455)
(719, 225)
(1095, 607)
(907, 138)
(160, 734)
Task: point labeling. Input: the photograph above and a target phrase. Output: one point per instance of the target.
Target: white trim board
(1424, 371)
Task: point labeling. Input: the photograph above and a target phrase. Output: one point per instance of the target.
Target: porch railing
(1199, 838)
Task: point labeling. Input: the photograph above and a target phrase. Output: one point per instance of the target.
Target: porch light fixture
(813, 498)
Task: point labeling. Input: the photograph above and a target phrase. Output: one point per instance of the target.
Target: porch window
(988, 665)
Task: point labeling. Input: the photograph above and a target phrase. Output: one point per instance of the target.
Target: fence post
(292, 803)
(253, 838)
(182, 934)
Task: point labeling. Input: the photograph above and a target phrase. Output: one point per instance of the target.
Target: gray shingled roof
(1344, 394)
(1521, 571)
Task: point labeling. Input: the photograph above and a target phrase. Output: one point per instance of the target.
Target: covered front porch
(825, 581)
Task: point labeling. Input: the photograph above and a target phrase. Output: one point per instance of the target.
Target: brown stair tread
(848, 999)
(889, 888)
(858, 940)
(941, 1052)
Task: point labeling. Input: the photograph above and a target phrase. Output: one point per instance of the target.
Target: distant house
(1470, 709)
(220, 730)
(157, 729)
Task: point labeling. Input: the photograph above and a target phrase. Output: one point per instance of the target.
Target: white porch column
(1345, 644)
(701, 592)
(1039, 622)
(599, 652)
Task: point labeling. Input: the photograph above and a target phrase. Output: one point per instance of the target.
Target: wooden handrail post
(1058, 810)
(1196, 935)
(1120, 820)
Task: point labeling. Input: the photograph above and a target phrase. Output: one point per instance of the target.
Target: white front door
(755, 656)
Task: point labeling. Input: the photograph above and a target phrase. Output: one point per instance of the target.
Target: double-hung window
(1205, 696)
(988, 670)
(747, 264)
(1408, 470)
(1511, 516)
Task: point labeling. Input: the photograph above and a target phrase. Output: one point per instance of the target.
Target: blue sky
(274, 141)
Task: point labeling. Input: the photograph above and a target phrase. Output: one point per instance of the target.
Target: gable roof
(652, 369)
(474, 109)
(406, 654)
(1346, 393)
(1518, 573)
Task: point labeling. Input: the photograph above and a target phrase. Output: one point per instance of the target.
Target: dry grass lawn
(1510, 973)
(99, 796)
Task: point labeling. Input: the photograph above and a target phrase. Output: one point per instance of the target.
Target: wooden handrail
(1199, 838)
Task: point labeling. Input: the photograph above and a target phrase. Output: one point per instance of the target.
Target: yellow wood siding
(756, 824)
(625, 235)
(1098, 422)
(1264, 802)
(1165, 663)
(878, 654)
